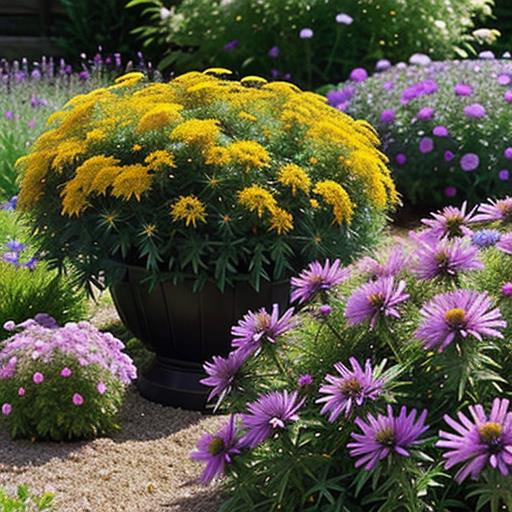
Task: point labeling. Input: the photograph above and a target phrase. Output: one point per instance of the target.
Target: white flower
(165, 13)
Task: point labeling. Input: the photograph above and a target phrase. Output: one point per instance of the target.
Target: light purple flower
(350, 389)
(38, 378)
(382, 65)
(505, 243)
(388, 85)
(504, 79)
(419, 59)
(271, 411)
(338, 96)
(78, 399)
(6, 409)
(504, 175)
(445, 258)
(256, 328)
(15, 246)
(440, 131)
(426, 145)
(508, 153)
(387, 116)
(463, 89)
(486, 238)
(317, 278)
(479, 441)
(450, 222)
(507, 96)
(305, 380)
(425, 113)
(358, 75)
(486, 55)
(469, 162)
(496, 209)
(384, 435)
(448, 157)
(401, 158)
(375, 300)
(344, 19)
(418, 90)
(66, 372)
(394, 262)
(273, 53)
(474, 111)
(101, 388)
(460, 313)
(21, 391)
(11, 257)
(506, 289)
(306, 33)
(222, 372)
(324, 310)
(218, 450)
(9, 114)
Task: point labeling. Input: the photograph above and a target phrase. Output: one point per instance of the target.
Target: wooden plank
(16, 47)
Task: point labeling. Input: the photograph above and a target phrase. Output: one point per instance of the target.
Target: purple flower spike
(461, 313)
(479, 441)
(316, 278)
(271, 411)
(384, 435)
(375, 300)
(218, 450)
(445, 258)
(255, 328)
(500, 209)
(352, 388)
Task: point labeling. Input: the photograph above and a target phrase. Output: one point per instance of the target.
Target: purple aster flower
(474, 111)
(101, 388)
(388, 85)
(450, 222)
(496, 209)
(22, 391)
(401, 158)
(486, 238)
(77, 399)
(418, 90)
(338, 96)
(352, 388)
(15, 246)
(255, 328)
(450, 191)
(505, 243)
(463, 89)
(504, 79)
(387, 116)
(419, 59)
(218, 450)
(305, 380)
(31, 263)
(506, 289)
(6, 409)
(9, 114)
(344, 19)
(231, 45)
(469, 162)
(425, 113)
(66, 372)
(273, 53)
(504, 175)
(384, 435)
(306, 33)
(394, 263)
(38, 378)
(11, 257)
(486, 55)
(426, 145)
(36, 101)
(508, 153)
(221, 373)
(440, 131)
(445, 258)
(358, 75)
(271, 411)
(375, 300)
(508, 96)
(480, 441)
(448, 157)
(316, 278)
(460, 313)
(324, 311)
(382, 65)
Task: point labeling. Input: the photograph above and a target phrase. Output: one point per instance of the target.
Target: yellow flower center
(350, 387)
(189, 209)
(262, 321)
(455, 317)
(386, 436)
(216, 446)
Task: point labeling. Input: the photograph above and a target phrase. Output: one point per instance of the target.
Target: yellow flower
(160, 116)
(257, 199)
(200, 132)
(74, 199)
(253, 81)
(248, 153)
(35, 166)
(189, 209)
(104, 179)
(149, 230)
(281, 221)
(133, 75)
(96, 135)
(160, 157)
(335, 196)
(217, 155)
(218, 72)
(133, 180)
(314, 204)
(136, 147)
(246, 116)
(294, 177)
(67, 151)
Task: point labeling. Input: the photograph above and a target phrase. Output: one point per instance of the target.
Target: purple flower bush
(61, 383)
(364, 388)
(443, 126)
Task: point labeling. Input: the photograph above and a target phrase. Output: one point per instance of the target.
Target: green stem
(278, 362)
(333, 50)
(308, 64)
(388, 335)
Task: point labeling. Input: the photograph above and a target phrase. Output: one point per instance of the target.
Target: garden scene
(256, 256)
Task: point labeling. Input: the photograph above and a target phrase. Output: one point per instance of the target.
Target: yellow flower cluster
(206, 130)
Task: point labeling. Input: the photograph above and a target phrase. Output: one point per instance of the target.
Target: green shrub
(242, 35)
(62, 383)
(24, 501)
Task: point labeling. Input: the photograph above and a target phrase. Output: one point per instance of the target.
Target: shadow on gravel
(206, 501)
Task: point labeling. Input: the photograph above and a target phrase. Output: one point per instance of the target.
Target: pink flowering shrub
(445, 126)
(62, 383)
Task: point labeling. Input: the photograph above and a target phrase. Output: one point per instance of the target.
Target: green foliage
(24, 501)
(435, 177)
(24, 292)
(194, 34)
(306, 466)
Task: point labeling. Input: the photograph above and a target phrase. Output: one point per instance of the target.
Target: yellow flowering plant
(204, 178)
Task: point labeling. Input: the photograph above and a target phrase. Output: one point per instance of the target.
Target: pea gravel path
(143, 468)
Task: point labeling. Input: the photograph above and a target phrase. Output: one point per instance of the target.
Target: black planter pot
(184, 329)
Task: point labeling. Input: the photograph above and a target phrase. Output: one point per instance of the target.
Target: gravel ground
(143, 468)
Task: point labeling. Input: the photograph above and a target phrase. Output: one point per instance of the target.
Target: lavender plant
(386, 389)
(62, 382)
(444, 126)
